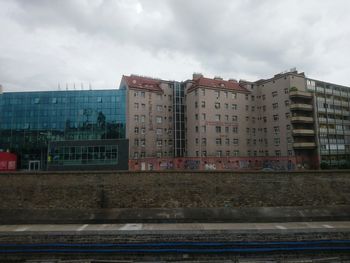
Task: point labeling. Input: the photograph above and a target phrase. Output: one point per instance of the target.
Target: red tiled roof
(139, 82)
(217, 84)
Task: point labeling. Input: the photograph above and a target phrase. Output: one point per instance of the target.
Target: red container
(8, 161)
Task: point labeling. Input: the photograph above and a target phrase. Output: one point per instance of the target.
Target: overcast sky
(44, 42)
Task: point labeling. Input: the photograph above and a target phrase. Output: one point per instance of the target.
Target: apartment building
(285, 122)
(332, 121)
(217, 119)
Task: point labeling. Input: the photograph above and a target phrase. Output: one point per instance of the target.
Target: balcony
(304, 145)
(301, 106)
(302, 119)
(300, 94)
(303, 132)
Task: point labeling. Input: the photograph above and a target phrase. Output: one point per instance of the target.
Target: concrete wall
(95, 190)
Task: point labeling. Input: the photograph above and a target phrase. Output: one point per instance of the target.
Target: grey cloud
(98, 40)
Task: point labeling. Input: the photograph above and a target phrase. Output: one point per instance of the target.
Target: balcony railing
(303, 132)
(302, 119)
(304, 145)
(300, 106)
(300, 94)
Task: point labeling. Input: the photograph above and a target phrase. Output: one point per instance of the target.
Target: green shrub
(293, 89)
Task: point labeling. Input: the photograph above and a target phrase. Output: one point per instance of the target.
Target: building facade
(285, 122)
(64, 129)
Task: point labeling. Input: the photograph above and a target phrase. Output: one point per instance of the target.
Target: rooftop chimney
(196, 76)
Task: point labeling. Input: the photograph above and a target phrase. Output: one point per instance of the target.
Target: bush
(293, 89)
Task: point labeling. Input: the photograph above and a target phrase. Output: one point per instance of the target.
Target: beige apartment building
(149, 114)
(285, 122)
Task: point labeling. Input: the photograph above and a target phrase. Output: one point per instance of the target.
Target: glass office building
(72, 129)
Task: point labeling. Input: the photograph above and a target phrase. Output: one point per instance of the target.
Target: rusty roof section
(217, 83)
(143, 83)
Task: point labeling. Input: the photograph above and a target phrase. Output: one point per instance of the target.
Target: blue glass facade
(29, 121)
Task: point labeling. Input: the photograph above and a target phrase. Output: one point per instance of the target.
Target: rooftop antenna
(66, 86)
(59, 86)
(74, 85)
(89, 86)
(82, 86)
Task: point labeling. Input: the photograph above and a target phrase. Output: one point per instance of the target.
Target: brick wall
(94, 190)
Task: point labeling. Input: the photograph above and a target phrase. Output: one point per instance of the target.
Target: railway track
(180, 247)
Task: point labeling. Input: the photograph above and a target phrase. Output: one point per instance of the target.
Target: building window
(159, 108)
(197, 141)
(217, 105)
(217, 93)
(203, 104)
(218, 141)
(54, 100)
(227, 153)
(247, 107)
(143, 143)
(290, 152)
(287, 115)
(196, 128)
(275, 117)
(203, 92)
(197, 153)
(204, 153)
(276, 141)
(275, 106)
(278, 153)
(227, 129)
(217, 117)
(143, 130)
(235, 141)
(234, 95)
(136, 130)
(204, 141)
(235, 129)
(136, 155)
(143, 118)
(247, 97)
(234, 118)
(143, 106)
(136, 142)
(235, 153)
(274, 94)
(136, 106)
(288, 127)
(234, 106)
(159, 143)
(218, 129)
(136, 118)
(196, 104)
(99, 99)
(263, 97)
(204, 128)
(159, 119)
(227, 141)
(159, 131)
(286, 91)
(196, 117)
(226, 118)
(226, 106)
(276, 129)
(218, 153)
(289, 139)
(286, 102)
